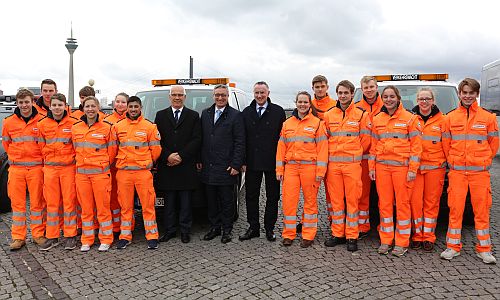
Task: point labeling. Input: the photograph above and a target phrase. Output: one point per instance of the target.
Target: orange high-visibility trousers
(364, 200)
(60, 194)
(390, 181)
(114, 204)
(344, 183)
(19, 179)
(93, 192)
(425, 198)
(142, 181)
(480, 191)
(298, 176)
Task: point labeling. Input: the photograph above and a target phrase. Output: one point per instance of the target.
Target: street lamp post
(71, 46)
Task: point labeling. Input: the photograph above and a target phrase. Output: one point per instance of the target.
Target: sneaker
(104, 247)
(40, 240)
(416, 245)
(384, 249)
(428, 246)
(17, 244)
(70, 243)
(85, 248)
(49, 244)
(449, 253)
(122, 244)
(487, 257)
(152, 244)
(399, 251)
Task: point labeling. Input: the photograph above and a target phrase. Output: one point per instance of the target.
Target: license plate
(159, 201)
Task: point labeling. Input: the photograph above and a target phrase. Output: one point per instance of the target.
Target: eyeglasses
(221, 95)
(424, 99)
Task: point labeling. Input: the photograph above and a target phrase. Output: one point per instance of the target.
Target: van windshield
(153, 101)
(446, 96)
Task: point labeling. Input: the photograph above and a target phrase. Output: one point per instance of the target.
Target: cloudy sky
(124, 44)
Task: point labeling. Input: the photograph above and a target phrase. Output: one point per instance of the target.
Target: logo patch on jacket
(479, 126)
(310, 129)
(97, 135)
(35, 129)
(436, 128)
(400, 125)
(140, 133)
(352, 123)
(66, 130)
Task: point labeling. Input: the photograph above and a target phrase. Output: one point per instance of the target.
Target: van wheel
(4, 198)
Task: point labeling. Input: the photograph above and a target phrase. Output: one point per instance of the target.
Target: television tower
(71, 46)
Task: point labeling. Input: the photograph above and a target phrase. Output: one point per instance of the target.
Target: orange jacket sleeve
(493, 135)
(373, 148)
(446, 136)
(280, 154)
(112, 145)
(415, 135)
(365, 132)
(322, 150)
(6, 139)
(154, 142)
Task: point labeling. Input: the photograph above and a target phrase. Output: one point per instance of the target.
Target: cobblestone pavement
(250, 270)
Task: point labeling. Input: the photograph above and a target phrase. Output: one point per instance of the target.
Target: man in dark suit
(180, 131)
(263, 121)
(222, 155)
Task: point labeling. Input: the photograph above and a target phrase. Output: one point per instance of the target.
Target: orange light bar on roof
(189, 81)
(403, 77)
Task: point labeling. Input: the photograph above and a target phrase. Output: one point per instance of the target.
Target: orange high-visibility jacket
(323, 105)
(470, 138)
(114, 117)
(396, 139)
(95, 146)
(302, 142)
(20, 139)
(347, 132)
(432, 147)
(371, 109)
(138, 144)
(55, 140)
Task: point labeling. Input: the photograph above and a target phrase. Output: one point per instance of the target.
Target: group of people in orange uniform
(80, 169)
(348, 145)
(90, 162)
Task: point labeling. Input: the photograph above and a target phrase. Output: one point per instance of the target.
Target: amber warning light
(188, 81)
(427, 77)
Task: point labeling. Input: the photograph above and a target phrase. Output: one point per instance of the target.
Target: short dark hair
(261, 83)
(319, 78)
(470, 82)
(48, 81)
(347, 84)
(86, 91)
(23, 93)
(58, 96)
(134, 99)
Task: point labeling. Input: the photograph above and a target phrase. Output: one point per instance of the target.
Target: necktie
(217, 115)
(176, 117)
(260, 111)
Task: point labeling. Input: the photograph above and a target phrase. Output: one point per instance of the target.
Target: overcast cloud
(123, 45)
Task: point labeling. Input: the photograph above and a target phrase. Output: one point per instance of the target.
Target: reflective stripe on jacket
(138, 144)
(470, 138)
(55, 140)
(396, 139)
(302, 141)
(347, 132)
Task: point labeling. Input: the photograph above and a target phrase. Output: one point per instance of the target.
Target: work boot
(17, 244)
(428, 246)
(399, 251)
(298, 228)
(487, 257)
(306, 243)
(334, 241)
(362, 235)
(384, 249)
(39, 240)
(49, 244)
(352, 245)
(70, 243)
(449, 254)
(287, 242)
(416, 245)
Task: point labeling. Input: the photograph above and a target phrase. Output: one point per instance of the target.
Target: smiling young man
(470, 142)
(20, 141)
(138, 148)
(59, 173)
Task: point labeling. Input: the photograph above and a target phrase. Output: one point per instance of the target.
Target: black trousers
(183, 199)
(221, 204)
(253, 181)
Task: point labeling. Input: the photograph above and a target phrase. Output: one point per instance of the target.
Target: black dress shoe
(168, 236)
(250, 233)
(211, 234)
(226, 237)
(270, 236)
(185, 238)
(352, 245)
(334, 241)
(362, 235)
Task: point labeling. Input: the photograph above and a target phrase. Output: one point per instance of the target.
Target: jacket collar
(349, 108)
(473, 106)
(84, 118)
(40, 103)
(34, 112)
(434, 111)
(295, 113)
(51, 116)
(139, 118)
(396, 112)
